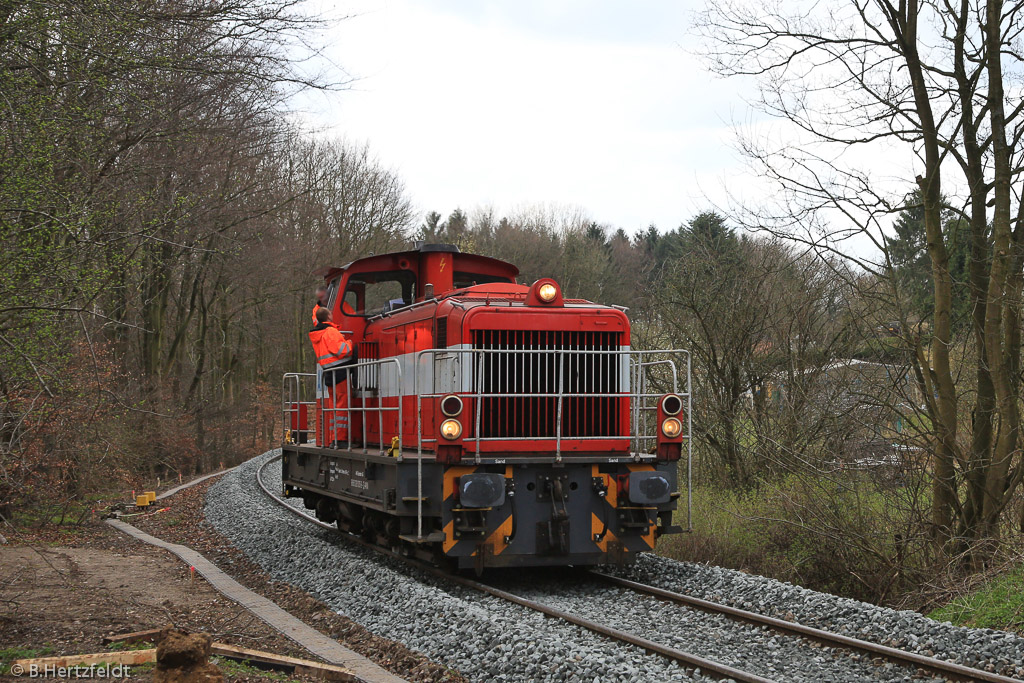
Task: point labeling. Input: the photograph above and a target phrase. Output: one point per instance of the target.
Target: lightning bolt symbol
(442, 264)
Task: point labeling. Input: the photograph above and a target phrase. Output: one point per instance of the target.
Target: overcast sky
(598, 105)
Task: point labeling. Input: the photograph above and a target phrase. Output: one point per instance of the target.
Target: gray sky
(597, 105)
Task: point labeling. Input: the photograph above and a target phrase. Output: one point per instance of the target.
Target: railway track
(945, 669)
(938, 666)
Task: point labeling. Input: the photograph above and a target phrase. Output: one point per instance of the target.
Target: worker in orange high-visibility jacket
(330, 346)
(333, 351)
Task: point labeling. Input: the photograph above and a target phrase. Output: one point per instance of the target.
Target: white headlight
(451, 429)
(671, 427)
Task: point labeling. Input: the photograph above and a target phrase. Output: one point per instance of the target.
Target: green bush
(845, 536)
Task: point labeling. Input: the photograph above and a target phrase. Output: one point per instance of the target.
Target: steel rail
(947, 669)
(707, 666)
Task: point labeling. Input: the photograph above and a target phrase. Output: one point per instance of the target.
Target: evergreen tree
(908, 254)
(710, 227)
(457, 225)
(431, 228)
(596, 233)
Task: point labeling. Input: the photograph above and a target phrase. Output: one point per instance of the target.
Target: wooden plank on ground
(326, 672)
(126, 657)
(134, 637)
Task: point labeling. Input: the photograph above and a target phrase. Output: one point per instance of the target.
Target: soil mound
(184, 658)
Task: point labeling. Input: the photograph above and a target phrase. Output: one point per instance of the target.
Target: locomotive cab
(488, 422)
(382, 285)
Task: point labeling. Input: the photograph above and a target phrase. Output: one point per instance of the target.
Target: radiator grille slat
(368, 376)
(538, 373)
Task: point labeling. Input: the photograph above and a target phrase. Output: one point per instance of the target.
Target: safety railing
(298, 406)
(387, 372)
(558, 376)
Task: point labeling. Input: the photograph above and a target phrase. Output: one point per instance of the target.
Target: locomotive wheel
(350, 518)
(391, 528)
(326, 510)
(369, 532)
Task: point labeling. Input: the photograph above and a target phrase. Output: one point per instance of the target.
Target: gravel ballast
(752, 648)
(486, 638)
(483, 637)
(987, 649)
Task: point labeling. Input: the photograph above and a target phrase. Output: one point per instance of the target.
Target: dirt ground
(61, 600)
(61, 593)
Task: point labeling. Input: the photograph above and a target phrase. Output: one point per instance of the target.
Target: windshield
(369, 294)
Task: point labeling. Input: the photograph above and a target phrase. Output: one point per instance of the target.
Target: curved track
(949, 670)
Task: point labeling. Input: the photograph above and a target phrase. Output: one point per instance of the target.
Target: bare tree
(135, 146)
(346, 201)
(764, 324)
(868, 80)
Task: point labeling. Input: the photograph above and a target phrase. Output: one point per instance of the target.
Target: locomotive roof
(485, 263)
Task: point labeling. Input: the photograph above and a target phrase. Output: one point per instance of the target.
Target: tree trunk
(903, 22)
(1000, 287)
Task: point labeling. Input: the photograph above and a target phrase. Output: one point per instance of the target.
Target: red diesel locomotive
(487, 423)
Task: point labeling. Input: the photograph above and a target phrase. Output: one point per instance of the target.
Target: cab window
(368, 294)
(332, 291)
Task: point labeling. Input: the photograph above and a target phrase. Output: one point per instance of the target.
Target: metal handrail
(363, 409)
(639, 362)
(292, 391)
(635, 374)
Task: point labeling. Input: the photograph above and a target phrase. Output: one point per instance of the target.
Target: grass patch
(10, 654)
(121, 646)
(67, 516)
(232, 668)
(999, 605)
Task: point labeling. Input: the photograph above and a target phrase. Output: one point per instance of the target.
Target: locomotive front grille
(544, 365)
